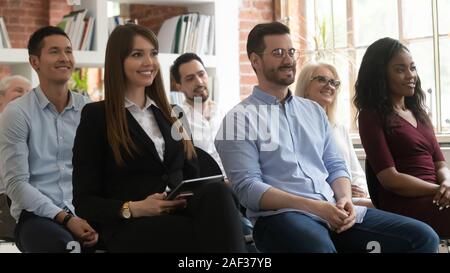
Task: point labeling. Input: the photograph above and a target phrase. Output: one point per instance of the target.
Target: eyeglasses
(280, 53)
(322, 80)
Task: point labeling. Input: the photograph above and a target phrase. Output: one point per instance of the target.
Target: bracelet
(66, 219)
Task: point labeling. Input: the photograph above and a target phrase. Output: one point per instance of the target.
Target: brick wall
(23, 17)
(251, 13)
(153, 16)
(57, 9)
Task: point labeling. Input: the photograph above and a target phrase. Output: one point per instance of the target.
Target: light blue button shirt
(36, 153)
(264, 143)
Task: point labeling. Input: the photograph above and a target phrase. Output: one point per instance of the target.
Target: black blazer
(100, 186)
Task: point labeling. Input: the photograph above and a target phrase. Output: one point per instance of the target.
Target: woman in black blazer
(128, 150)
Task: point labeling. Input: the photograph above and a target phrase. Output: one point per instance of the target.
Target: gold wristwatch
(125, 211)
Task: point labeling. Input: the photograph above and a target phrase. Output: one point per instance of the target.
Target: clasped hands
(442, 197)
(340, 216)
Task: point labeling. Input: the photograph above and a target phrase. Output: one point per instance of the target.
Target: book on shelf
(88, 33)
(211, 37)
(115, 21)
(191, 32)
(79, 28)
(4, 37)
(184, 20)
(168, 41)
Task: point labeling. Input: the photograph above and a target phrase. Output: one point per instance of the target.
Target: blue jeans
(379, 232)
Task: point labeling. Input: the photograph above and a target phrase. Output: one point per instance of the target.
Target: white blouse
(148, 123)
(203, 130)
(345, 146)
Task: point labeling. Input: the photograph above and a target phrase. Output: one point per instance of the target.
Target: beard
(200, 93)
(273, 76)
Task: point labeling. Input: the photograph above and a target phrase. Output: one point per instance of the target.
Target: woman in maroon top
(398, 136)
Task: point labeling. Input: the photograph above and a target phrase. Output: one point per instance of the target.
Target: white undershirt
(148, 123)
(344, 143)
(204, 131)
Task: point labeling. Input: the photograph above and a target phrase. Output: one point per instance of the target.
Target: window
(339, 31)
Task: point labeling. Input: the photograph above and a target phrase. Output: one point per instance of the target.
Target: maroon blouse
(411, 151)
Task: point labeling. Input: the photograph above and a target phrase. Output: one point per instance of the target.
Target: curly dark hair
(372, 89)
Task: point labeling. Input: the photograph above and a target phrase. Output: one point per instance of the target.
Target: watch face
(126, 213)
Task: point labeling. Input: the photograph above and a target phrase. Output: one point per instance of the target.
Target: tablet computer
(187, 187)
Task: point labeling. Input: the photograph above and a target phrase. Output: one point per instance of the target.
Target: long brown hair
(120, 45)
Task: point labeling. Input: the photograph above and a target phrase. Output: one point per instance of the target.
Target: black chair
(7, 223)
(209, 167)
(373, 184)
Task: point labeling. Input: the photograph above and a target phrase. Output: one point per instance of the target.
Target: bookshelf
(223, 66)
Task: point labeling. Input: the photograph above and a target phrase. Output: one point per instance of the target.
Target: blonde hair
(304, 81)
(5, 82)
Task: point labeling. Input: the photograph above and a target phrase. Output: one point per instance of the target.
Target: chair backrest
(206, 163)
(372, 183)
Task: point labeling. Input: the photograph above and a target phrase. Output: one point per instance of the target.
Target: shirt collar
(148, 102)
(269, 99)
(44, 102)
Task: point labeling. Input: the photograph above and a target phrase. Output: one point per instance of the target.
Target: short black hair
(255, 39)
(35, 42)
(182, 59)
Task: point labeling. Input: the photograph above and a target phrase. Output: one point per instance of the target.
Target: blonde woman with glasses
(320, 82)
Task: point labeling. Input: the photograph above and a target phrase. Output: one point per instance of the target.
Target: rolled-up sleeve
(240, 158)
(333, 160)
(14, 168)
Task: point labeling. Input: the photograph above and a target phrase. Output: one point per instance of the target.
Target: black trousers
(210, 223)
(40, 234)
